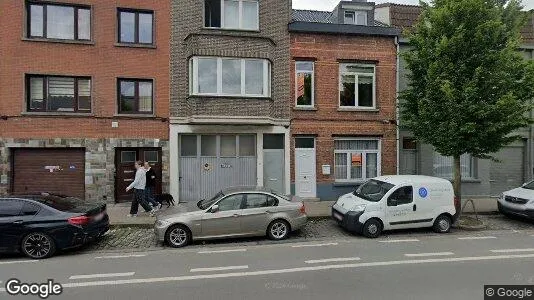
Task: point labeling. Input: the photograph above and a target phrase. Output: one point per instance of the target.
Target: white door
(305, 170)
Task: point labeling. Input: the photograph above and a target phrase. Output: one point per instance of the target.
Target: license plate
(99, 217)
(337, 216)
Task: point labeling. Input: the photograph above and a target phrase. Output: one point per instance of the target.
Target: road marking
(292, 270)
(512, 250)
(318, 261)
(102, 275)
(429, 254)
(477, 238)
(221, 251)
(399, 241)
(219, 269)
(120, 256)
(17, 262)
(314, 245)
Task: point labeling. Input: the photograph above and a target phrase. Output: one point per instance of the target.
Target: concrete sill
(56, 114)
(59, 41)
(231, 29)
(305, 108)
(223, 97)
(135, 116)
(357, 109)
(142, 46)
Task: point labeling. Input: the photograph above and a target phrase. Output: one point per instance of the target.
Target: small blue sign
(423, 192)
(72, 167)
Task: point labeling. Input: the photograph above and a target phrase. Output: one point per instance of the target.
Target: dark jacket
(151, 178)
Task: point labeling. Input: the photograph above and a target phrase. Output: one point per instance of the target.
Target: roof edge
(327, 28)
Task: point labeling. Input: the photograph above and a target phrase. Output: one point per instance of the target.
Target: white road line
(512, 250)
(314, 245)
(477, 238)
(102, 275)
(429, 254)
(292, 270)
(318, 261)
(17, 262)
(221, 251)
(219, 269)
(120, 256)
(399, 241)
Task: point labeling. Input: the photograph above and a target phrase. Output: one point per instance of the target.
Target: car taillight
(303, 209)
(80, 220)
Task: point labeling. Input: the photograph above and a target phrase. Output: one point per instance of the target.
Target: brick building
(229, 91)
(85, 92)
(343, 100)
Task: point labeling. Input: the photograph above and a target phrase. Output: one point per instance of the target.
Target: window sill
(231, 29)
(358, 109)
(230, 97)
(58, 41)
(145, 46)
(146, 116)
(305, 108)
(56, 114)
(349, 183)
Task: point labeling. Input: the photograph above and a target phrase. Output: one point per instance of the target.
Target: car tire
(442, 224)
(372, 228)
(278, 230)
(178, 236)
(38, 245)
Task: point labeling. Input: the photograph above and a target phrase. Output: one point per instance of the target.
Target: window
(151, 156)
(231, 14)
(247, 145)
(135, 26)
(304, 81)
(232, 202)
(273, 141)
(230, 77)
(58, 93)
(443, 166)
(305, 143)
(256, 201)
(228, 146)
(135, 96)
(128, 156)
(401, 196)
(409, 143)
(10, 208)
(357, 86)
(208, 145)
(356, 159)
(188, 145)
(356, 17)
(58, 21)
(30, 209)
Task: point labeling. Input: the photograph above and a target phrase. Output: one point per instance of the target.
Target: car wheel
(442, 224)
(372, 228)
(178, 236)
(38, 245)
(278, 230)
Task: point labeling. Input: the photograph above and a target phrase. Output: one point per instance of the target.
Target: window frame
(45, 78)
(355, 14)
(136, 13)
(390, 197)
(356, 85)
(473, 167)
(44, 4)
(193, 75)
(312, 72)
(240, 19)
(364, 153)
(136, 96)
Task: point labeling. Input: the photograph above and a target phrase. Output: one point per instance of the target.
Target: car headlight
(360, 207)
(162, 223)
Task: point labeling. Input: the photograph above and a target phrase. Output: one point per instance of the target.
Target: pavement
(400, 266)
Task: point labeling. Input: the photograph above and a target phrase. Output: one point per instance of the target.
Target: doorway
(305, 167)
(125, 170)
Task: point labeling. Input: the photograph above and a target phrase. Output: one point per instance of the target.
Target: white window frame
(312, 72)
(240, 26)
(364, 159)
(355, 14)
(472, 167)
(193, 74)
(356, 81)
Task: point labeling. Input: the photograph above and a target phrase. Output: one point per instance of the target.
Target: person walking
(138, 185)
(150, 186)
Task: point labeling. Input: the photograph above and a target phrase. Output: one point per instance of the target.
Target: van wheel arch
(439, 228)
(370, 221)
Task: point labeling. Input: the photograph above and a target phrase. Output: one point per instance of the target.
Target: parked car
(234, 212)
(518, 202)
(39, 225)
(397, 202)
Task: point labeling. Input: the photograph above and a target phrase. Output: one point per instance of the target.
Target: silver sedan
(234, 212)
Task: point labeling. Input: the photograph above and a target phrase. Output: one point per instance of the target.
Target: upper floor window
(355, 17)
(219, 76)
(304, 81)
(58, 21)
(231, 14)
(135, 96)
(136, 26)
(58, 93)
(357, 86)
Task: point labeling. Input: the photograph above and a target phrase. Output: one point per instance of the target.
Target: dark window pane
(151, 156)
(365, 91)
(304, 89)
(145, 28)
(247, 145)
(228, 145)
(273, 141)
(128, 156)
(256, 201)
(230, 203)
(84, 94)
(212, 13)
(127, 96)
(84, 24)
(409, 144)
(10, 208)
(60, 94)
(36, 20)
(145, 96)
(403, 195)
(347, 93)
(208, 145)
(60, 22)
(30, 209)
(188, 145)
(305, 143)
(127, 23)
(36, 93)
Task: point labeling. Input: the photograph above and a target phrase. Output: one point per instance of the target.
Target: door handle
(18, 222)
(235, 215)
(414, 207)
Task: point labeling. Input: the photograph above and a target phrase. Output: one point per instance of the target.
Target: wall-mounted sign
(207, 167)
(72, 167)
(356, 159)
(326, 169)
(226, 166)
(53, 169)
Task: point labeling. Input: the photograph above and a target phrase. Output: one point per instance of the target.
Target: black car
(39, 225)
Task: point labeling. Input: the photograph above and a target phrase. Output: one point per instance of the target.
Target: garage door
(508, 173)
(59, 171)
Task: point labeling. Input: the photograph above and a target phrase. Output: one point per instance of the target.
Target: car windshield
(529, 186)
(373, 190)
(204, 204)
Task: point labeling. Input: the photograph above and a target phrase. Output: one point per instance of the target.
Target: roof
(317, 16)
(403, 179)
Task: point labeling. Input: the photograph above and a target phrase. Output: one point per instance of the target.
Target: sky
(328, 5)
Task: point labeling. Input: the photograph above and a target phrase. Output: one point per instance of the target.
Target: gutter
(397, 106)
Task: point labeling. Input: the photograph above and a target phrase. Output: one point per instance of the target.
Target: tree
(470, 88)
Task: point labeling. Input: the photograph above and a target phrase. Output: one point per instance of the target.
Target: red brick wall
(103, 61)
(327, 121)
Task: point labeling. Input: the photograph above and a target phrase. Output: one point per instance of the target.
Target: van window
(373, 190)
(403, 195)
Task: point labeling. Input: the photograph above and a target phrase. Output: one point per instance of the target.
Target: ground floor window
(356, 159)
(443, 166)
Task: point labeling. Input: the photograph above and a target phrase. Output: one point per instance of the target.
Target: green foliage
(470, 88)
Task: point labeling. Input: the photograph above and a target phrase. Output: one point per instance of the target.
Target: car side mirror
(214, 208)
(392, 202)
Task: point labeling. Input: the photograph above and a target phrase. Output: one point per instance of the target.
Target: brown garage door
(60, 171)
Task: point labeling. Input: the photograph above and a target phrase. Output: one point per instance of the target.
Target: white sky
(328, 5)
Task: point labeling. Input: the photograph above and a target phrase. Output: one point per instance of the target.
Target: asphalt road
(400, 267)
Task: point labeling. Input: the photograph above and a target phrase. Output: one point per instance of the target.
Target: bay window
(356, 159)
(58, 21)
(357, 86)
(231, 14)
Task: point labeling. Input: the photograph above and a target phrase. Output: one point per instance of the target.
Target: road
(454, 266)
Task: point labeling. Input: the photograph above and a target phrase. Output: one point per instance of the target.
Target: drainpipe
(397, 108)
(530, 143)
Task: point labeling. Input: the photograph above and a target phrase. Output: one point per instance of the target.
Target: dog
(165, 198)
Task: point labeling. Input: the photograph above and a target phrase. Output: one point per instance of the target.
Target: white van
(397, 202)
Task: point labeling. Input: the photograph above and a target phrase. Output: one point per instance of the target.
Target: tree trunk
(457, 185)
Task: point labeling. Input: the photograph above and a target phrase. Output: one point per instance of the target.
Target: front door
(125, 170)
(273, 162)
(305, 170)
(226, 220)
(401, 210)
